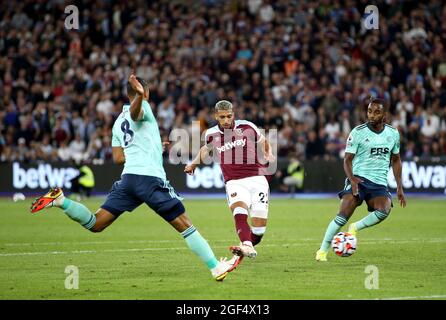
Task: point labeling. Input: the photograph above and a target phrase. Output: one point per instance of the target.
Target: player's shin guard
(333, 228)
(241, 225)
(257, 234)
(79, 213)
(371, 219)
(199, 246)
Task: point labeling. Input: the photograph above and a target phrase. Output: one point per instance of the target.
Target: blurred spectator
(303, 68)
(315, 147)
(77, 149)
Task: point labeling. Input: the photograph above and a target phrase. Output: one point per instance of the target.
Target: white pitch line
(126, 250)
(18, 244)
(170, 248)
(412, 298)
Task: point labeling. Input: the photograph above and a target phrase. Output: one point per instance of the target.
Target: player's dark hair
(131, 92)
(378, 101)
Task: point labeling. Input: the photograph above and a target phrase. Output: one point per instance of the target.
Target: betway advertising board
(320, 176)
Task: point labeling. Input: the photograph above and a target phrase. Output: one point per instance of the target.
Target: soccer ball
(344, 244)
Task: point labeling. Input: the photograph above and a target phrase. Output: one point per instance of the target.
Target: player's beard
(376, 123)
(231, 126)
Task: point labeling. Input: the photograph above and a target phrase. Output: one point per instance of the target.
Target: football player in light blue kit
(371, 148)
(137, 144)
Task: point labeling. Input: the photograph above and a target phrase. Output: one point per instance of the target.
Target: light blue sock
(79, 213)
(333, 228)
(371, 219)
(199, 246)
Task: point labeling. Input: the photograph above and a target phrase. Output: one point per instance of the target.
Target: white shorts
(254, 191)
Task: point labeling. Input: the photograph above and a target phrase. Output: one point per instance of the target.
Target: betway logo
(45, 176)
(420, 177)
(206, 177)
(230, 145)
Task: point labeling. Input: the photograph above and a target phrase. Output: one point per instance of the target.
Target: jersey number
(262, 197)
(128, 134)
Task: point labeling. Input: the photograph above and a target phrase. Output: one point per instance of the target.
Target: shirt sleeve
(352, 142)
(396, 146)
(115, 141)
(208, 140)
(148, 113)
(257, 134)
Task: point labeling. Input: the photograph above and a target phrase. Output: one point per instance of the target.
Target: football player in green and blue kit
(371, 148)
(136, 143)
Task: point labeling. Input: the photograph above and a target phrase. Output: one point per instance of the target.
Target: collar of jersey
(371, 128)
(221, 129)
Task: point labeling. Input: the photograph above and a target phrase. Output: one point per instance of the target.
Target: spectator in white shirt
(404, 106)
(431, 124)
(332, 127)
(77, 148)
(166, 113)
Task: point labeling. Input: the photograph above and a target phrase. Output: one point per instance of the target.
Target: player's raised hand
(190, 169)
(136, 85)
(401, 198)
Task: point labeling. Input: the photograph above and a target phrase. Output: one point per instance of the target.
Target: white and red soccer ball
(344, 244)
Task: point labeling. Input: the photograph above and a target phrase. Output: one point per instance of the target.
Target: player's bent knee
(382, 214)
(385, 211)
(341, 219)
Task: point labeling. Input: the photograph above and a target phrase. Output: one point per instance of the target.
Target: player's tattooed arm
(202, 154)
(136, 111)
(348, 168)
(118, 155)
(397, 172)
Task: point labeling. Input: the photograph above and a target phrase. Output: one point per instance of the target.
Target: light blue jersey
(141, 142)
(372, 151)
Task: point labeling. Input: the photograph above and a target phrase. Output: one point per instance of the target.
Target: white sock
(59, 201)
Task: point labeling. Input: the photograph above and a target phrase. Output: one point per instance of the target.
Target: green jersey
(141, 142)
(372, 151)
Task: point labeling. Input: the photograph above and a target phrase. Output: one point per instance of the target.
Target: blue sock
(332, 229)
(79, 213)
(199, 246)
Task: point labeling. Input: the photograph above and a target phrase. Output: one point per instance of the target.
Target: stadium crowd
(305, 68)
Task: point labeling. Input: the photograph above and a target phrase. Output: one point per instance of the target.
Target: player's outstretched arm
(397, 168)
(136, 104)
(190, 168)
(348, 168)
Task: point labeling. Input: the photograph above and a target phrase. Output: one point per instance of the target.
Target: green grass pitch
(142, 257)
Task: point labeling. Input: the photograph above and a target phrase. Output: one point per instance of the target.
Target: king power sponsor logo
(416, 176)
(43, 177)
